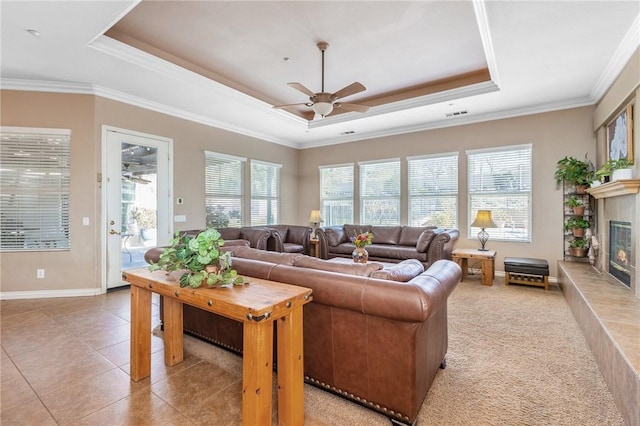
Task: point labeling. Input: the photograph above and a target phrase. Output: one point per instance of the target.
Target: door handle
(112, 232)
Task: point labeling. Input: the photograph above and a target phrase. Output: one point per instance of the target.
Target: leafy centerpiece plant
(575, 172)
(201, 259)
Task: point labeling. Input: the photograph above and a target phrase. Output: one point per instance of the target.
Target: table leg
(173, 344)
(290, 369)
(487, 272)
(464, 265)
(140, 339)
(257, 368)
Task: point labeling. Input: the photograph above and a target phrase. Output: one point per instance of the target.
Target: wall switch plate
(40, 273)
(179, 201)
(85, 221)
(180, 218)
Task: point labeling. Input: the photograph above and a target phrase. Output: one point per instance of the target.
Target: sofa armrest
(442, 245)
(257, 237)
(323, 243)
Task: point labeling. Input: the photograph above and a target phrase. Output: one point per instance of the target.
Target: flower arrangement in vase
(360, 254)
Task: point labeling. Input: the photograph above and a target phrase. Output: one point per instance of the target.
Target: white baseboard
(46, 294)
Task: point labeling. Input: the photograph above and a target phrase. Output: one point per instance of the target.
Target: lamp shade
(483, 220)
(315, 217)
(322, 108)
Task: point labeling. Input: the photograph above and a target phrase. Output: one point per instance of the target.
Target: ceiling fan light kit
(323, 103)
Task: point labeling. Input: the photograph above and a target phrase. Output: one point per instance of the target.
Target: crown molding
(630, 43)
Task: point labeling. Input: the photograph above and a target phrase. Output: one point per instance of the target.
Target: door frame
(162, 239)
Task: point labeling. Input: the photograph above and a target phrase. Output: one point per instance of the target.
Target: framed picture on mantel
(620, 135)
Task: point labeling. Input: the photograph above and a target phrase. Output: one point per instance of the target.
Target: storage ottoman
(522, 270)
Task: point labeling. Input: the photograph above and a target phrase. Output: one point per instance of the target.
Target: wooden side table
(488, 259)
(314, 245)
(257, 304)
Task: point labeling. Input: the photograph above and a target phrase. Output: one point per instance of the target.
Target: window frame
(273, 220)
(365, 197)
(231, 195)
(327, 203)
(413, 194)
(28, 228)
(521, 195)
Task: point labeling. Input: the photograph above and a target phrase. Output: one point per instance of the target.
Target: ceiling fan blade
(351, 89)
(301, 88)
(351, 107)
(289, 106)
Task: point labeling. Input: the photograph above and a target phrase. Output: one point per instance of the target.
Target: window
(34, 189)
(223, 190)
(433, 190)
(265, 186)
(336, 194)
(500, 180)
(380, 192)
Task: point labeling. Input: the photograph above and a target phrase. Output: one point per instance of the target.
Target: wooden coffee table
(257, 304)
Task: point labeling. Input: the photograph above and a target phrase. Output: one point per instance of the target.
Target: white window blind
(265, 189)
(336, 194)
(500, 180)
(35, 189)
(380, 192)
(433, 190)
(223, 190)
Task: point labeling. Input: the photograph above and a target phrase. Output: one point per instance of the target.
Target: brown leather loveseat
(390, 243)
(376, 342)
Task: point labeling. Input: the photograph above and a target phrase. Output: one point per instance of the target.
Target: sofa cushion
(363, 270)
(293, 248)
(386, 234)
(425, 239)
(335, 236)
(409, 234)
(353, 231)
(266, 256)
(403, 271)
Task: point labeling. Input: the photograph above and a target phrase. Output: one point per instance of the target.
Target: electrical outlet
(40, 273)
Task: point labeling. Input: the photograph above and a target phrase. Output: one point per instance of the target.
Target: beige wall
(553, 135)
(625, 90)
(78, 271)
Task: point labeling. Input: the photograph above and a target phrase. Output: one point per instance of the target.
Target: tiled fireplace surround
(609, 312)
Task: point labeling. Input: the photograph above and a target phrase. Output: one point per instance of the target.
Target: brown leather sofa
(289, 238)
(390, 243)
(257, 238)
(373, 341)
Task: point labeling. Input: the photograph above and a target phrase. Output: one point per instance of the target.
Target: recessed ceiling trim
(454, 122)
(485, 36)
(434, 98)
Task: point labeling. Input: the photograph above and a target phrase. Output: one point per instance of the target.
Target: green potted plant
(576, 204)
(577, 225)
(615, 170)
(201, 259)
(574, 172)
(578, 247)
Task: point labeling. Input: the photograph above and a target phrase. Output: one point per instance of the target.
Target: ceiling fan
(323, 103)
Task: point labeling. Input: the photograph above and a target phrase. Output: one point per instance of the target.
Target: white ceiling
(221, 63)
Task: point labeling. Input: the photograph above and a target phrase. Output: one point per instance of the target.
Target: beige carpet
(516, 357)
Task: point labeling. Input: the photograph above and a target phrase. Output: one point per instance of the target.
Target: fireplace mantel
(615, 188)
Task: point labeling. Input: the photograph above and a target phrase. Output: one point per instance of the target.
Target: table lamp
(315, 219)
(483, 220)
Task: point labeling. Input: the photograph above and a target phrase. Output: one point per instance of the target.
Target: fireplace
(620, 251)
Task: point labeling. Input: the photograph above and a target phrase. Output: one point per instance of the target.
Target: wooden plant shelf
(616, 188)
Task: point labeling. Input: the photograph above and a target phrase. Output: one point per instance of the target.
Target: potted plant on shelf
(576, 204)
(578, 247)
(616, 169)
(574, 172)
(201, 259)
(577, 225)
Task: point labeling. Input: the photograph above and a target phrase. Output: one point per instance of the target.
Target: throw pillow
(424, 240)
(403, 271)
(335, 236)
